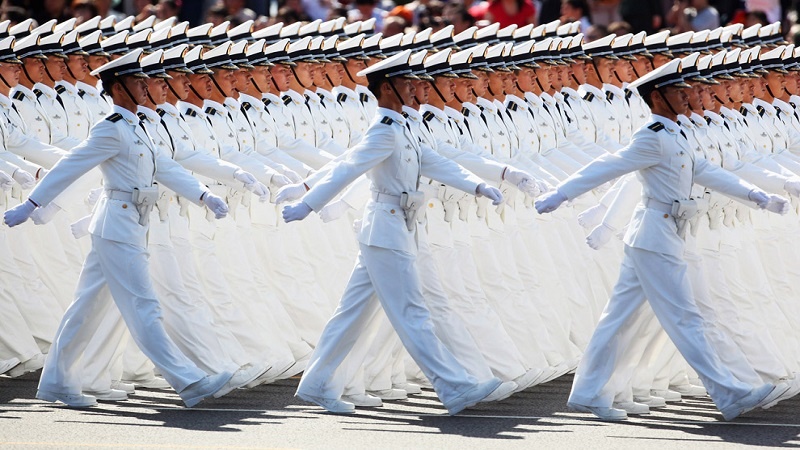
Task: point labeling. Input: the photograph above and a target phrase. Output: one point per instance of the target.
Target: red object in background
(739, 17)
(523, 17)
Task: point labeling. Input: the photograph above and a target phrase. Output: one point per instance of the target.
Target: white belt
(657, 205)
(380, 197)
(119, 195)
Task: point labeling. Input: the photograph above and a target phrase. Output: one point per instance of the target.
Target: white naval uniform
(98, 104)
(354, 111)
(118, 260)
(386, 268)
(653, 269)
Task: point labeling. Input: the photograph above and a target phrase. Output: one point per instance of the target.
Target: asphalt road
(270, 417)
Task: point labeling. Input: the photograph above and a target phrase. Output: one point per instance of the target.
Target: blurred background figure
(576, 11)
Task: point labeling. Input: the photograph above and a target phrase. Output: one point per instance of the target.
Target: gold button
(392, 211)
(666, 216)
(430, 205)
(683, 166)
(124, 206)
(141, 154)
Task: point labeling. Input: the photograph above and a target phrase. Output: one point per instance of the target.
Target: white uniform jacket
(393, 160)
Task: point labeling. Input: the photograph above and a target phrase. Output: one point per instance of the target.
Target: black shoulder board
(793, 105)
(116, 117)
(363, 97)
(628, 94)
(743, 111)
(38, 92)
(465, 112)
(341, 97)
(588, 97)
(708, 120)
(387, 120)
(211, 111)
(191, 113)
(81, 93)
(760, 110)
(18, 96)
(428, 116)
(266, 101)
(656, 126)
(141, 116)
(513, 106)
(60, 89)
(246, 106)
(160, 112)
(321, 96)
(286, 99)
(609, 95)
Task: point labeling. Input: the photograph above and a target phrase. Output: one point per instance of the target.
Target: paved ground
(269, 417)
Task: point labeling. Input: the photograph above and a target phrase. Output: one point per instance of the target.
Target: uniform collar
(472, 108)
(685, 122)
(795, 99)
(20, 88)
(534, 99)
(170, 109)
(486, 104)
(185, 106)
(569, 92)
(592, 89)
(670, 126)
(5, 102)
(413, 114)
(271, 97)
(68, 86)
(345, 90)
(394, 115)
(363, 90)
(129, 117)
(513, 98)
(716, 119)
(767, 106)
(615, 90)
(698, 120)
(232, 103)
(295, 96)
(212, 104)
(151, 115)
(438, 113)
(453, 114)
(311, 96)
(254, 102)
(47, 90)
(326, 93)
(782, 105)
(547, 98)
(88, 88)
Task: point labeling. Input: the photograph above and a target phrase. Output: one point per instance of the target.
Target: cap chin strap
(669, 105)
(169, 85)
(636, 72)
(47, 71)
(255, 85)
(214, 80)
(597, 72)
(770, 90)
(438, 92)
(128, 92)
(294, 72)
(391, 84)
(27, 75)
(347, 71)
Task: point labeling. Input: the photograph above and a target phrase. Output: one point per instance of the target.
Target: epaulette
(609, 95)
(428, 116)
(793, 105)
(161, 112)
(760, 110)
(38, 92)
(190, 112)
(708, 120)
(363, 97)
(60, 89)
(210, 110)
(286, 99)
(321, 97)
(141, 116)
(628, 94)
(387, 120)
(743, 111)
(588, 97)
(246, 106)
(465, 112)
(81, 93)
(341, 97)
(512, 106)
(116, 117)
(657, 126)
(266, 101)
(18, 96)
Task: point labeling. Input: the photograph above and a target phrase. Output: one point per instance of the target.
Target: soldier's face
(281, 74)
(35, 69)
(157, 88)
(243, 77)
(695, 96)
(180, 84)
(641, 66)
(335, 72)
(776, 82)
(659, 60)
(446, 87)
(202, 84)
(677, 98)
(353, 67)
(464, 90)
(78, 66)
(423, 89)
(96, 61)
(305, 73)
(406, 89)
(624, 71)
(525, 79)
(260, 76)
(480, 85)
(579, 71)
(496, 82)
(137, 87)
(57, 67)
(732, 88)
(10, 73)
(791, 82)
(226, 80)
(543, 75)
(707, 98)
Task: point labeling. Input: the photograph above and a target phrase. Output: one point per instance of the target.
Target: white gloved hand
(245, 178)
(334, 210)
(43, 215)
(19, 213)
(6, 182)
(792, 186)
(81, 227)
(298, 211)
(600, 236)
(25, 179)
(592, 216)
(216, 205)
(529, 188)
(778, 204)
(492, 193)
(293, 176)
(759, 197)
(550, 202)
(544, 186)
(280, 180)
(258, 189)
(93, 196)
(290, 193)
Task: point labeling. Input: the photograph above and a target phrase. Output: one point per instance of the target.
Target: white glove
(6, 182)
(81, 227)
(290, 193)
(43, 215)
(492, 193)
(550, 202)
(245, 177)
(759, 197)
(293, 176)
(298, 211)
(592, 216)
(778, 204)
(334, 210)
(600, 236)
(258, 189)
(25, 179)
(544, 186)
(529, 188)
(216, 205)
(280, 180)
(792, 186)
(19, 213)
(93, 196)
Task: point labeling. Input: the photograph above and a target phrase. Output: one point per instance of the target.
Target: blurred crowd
(598, 18)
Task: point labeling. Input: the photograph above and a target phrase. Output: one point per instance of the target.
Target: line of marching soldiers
(255, 115)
